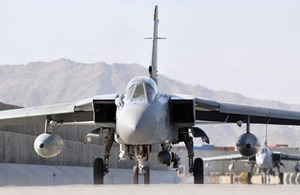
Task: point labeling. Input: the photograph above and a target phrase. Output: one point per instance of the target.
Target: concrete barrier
(226, 179)
(18, 148)
(286, 178)
(298, 179)
(293, 178)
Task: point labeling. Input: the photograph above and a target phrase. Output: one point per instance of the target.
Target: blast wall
(18, 148)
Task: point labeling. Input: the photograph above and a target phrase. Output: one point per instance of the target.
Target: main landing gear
(140, 153)
(249, 176)
(195, 167)
(280, 174)
(101, 167)
(198, 171)
(99, 171)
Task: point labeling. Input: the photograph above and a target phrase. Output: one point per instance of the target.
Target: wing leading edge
(208, 110)
(285, 156)
(81, 112)
(233, 157)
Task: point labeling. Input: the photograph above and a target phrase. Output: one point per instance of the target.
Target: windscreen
(129, 92)
(150, 93)
(139, 93)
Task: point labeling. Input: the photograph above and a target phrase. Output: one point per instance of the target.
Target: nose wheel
(147, 175)
(135, 175)
(145, 172)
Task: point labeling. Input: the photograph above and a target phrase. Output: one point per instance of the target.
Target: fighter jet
(265, 161)
(142, 119)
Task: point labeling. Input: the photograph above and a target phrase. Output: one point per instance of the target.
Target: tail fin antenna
(266, 136)
(153, 67)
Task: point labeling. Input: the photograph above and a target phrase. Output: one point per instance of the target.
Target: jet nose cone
(261, 161)
(137, 125)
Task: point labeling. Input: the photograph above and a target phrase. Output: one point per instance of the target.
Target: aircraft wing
(81, 112)
(285, 156)
(225, 157)
(208, 110)
(189, 109)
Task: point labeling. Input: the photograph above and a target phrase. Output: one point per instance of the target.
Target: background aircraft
(265, 161)
(142, 120)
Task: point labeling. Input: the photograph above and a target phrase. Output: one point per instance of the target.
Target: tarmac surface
(159, 189)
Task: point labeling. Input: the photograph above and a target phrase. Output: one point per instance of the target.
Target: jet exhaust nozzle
(164, 157)
(48, 145)
(247, 144)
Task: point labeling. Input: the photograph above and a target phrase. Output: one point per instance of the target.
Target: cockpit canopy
(141, 89)
(264, 150)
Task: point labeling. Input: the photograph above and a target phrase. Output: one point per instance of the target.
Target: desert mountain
(40, 83)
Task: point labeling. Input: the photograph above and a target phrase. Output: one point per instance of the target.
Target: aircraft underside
(140, 154)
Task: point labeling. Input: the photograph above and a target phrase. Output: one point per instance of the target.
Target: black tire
(98, 171)
(147, 175)
(280, 178)
(198, 171)
(249, 177)
(264, 179)
(135, 175)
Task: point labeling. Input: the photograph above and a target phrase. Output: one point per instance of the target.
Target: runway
(160, 189)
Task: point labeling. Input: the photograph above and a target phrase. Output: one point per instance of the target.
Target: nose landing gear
(136, 172)
(140, 153)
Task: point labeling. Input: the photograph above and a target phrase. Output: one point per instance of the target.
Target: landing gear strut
(189, 144)
(109, 140)
(101, 167)
(195, 167)
(280, 175)
(135, 175)
(264, 177)
(140, 153)
(249, 176)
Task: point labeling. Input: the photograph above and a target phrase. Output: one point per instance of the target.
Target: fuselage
(142, 117)
(264, 159)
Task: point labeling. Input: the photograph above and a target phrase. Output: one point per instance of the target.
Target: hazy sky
(251, 47)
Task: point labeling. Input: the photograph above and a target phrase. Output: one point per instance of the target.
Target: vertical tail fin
(266, 135)
(153, 67)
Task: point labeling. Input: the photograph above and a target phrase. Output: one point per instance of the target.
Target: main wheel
(135, 175)
(198, 171)
(280, 178)
(249, 177)
(98, 171)
(147, 175)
